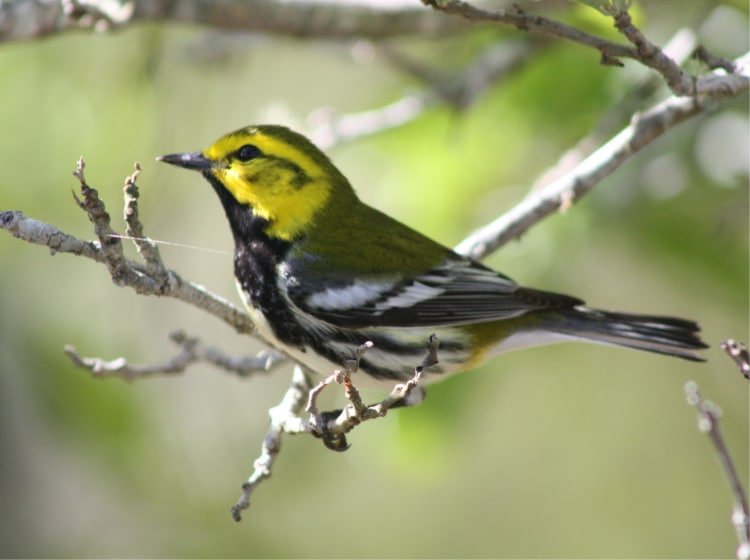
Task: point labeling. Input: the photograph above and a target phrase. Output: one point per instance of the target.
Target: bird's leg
(332, 426)
(319, 421)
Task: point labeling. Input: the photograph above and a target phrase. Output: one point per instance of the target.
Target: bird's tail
(663, 335)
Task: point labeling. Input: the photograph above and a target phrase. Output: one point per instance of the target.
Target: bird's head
(277, 173)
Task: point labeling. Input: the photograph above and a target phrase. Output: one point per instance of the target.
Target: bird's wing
(457, 292)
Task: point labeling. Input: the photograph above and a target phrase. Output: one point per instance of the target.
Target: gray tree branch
(32, 19)
(708, 423)
(145, 279)
(642, 131)
(643, 50)
(523, 21)
(284, 419)
(738, 352)
(301, 396)
(491, 66)
(192, 351)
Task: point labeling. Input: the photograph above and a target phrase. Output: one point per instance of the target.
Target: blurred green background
(564, 451)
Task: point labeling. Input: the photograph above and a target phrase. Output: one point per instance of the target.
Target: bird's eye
(247, 152)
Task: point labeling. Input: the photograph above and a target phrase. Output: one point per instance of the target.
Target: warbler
(321, 273)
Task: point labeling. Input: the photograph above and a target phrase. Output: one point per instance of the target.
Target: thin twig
(491, 66)
(713, 61)
(144, 279)
(109, 242)
(643, 50)
(134, 229)
(708, 423)
(330, 130)
(284, 418)
(192, 351)
(516, 17)
(679, 81)
(738, 352)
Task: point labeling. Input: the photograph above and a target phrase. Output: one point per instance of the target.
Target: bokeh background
(563, 451)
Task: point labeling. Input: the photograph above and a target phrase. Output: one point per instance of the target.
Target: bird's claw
(334, 442)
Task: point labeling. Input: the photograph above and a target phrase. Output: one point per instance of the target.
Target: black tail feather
(653, 333)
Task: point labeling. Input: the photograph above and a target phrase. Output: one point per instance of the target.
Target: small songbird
(321, 273)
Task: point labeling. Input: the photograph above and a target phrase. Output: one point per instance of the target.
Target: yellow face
(278, 173)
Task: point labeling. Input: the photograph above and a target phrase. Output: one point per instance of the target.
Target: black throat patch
(256, 257)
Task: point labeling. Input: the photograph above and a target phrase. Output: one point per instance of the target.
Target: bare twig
(679, 81)
(109, 242)
(192, 351)
(643, 50)
(713, 61)
(644, 129)
(284, 418)
(738, 352)
(516, 17)
(331, 130)
(708, 423)
(144, 279)
(134, 230)
(30, 19)
(490, 66)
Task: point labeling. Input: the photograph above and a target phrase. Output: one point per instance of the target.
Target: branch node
(651, 55)
(521, 24)
(738, 352)
(607, 60)
(713, 61)
(567, 198)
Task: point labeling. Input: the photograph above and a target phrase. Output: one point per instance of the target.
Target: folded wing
(457, 292)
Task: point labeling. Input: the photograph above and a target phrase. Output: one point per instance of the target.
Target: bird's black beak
(196, 161)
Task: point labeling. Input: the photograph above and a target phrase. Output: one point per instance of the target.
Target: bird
(321, 273)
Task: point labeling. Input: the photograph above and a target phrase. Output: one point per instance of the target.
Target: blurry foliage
(566, 450)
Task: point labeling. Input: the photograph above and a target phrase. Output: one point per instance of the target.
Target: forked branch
(150, 277)
(192, 351)
(640, 49)
(570, 187)
(332, 428)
